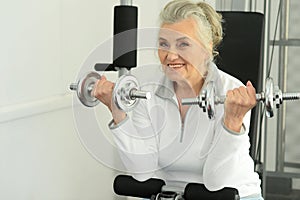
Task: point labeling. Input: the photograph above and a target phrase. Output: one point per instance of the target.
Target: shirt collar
(165, 89)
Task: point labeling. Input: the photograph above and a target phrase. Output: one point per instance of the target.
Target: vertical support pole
(126, 2)
(267, 14)
(282, 73)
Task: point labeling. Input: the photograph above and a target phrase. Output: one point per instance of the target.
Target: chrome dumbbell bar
(126, 91)
(208, 99)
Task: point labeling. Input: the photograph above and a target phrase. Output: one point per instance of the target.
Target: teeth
(175, 65)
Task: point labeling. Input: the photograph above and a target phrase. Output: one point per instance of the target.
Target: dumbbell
(208, 99)
(126, 93)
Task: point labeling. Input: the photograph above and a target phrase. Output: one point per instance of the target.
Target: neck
(188, 89)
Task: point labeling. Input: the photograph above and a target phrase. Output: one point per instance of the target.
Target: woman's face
(180, 51)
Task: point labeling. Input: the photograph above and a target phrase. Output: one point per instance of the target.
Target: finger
(240, 96)
(242, 91)
(95, 88)
(103, 77)
(250, 87)
(99, 84)
(251, 92)
(230, 96)
(249, 84)
(102, 80)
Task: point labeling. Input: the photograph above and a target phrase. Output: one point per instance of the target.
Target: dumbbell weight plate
(85, 87)
(122, 92)
(269, 97)
(210, 96)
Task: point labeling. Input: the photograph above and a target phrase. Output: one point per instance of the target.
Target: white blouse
(154, 142)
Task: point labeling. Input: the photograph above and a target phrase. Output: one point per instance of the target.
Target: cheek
(189, 57)
(161, 55)
(195, 57)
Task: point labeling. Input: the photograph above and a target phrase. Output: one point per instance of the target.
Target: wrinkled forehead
(172, 35)
(184, 28)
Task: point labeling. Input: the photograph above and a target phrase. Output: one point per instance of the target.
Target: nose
(172, 55)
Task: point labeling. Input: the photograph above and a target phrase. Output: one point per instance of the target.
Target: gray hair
(208, 20)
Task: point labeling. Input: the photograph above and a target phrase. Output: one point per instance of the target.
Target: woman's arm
(231, 140)
(135, 139)
(137, 144)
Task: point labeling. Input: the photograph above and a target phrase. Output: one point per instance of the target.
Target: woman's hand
(238, 102)
(103, 91)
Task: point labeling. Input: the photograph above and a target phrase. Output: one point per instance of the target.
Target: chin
(175, 76)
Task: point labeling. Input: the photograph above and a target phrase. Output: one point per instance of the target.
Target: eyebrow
(160, 38)
(181, 38)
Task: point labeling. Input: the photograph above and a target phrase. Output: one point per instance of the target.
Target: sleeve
(223, 162)
(137, 143)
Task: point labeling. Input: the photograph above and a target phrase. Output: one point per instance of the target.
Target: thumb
(103, 78)
(249, 84)
(250, 88)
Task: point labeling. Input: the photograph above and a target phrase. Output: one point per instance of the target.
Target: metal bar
(126, 2)
(238, 5)
(282, 75)
(282, 174)
(288, 42)
(139, 94)
(292, 165)
(267, 11)
(122, 71)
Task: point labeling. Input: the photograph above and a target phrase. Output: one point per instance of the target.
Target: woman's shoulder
(226, 82)
(149, 77)
(229, 80)
(148, 74)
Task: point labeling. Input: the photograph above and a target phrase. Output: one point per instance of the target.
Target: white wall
(43, 45)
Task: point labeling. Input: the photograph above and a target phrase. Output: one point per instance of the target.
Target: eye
(183, 44)
(163, 45)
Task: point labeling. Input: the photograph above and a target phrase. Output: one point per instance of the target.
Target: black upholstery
(196, 191)
(126, 185)
(241, 55)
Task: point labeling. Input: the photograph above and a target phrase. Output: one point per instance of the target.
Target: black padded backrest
(241, 54)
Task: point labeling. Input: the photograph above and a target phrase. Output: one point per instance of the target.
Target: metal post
(267, 14)
(250, 6)
(122, 71)
(126, 2)
(282, 75)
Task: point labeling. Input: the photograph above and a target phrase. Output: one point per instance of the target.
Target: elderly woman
(177, 143)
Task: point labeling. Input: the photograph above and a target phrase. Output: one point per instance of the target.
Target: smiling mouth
(176, 65)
